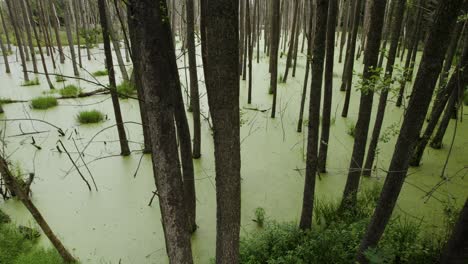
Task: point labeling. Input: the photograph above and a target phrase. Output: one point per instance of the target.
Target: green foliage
(100, 73)
(259, 216)
(126, 89)
(280, 78)
(90, 117)
(32, 82)
(4, 218)
(351, 129)
(5, 101)
(60, 78)
(39, 256)
(390, 132)
(44, 102)
(335, 238)
(70, 91)
(91, 37)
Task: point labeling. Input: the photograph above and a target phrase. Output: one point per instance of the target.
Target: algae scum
(116, 224)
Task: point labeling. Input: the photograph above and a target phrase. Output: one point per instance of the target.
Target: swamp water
(116, 224)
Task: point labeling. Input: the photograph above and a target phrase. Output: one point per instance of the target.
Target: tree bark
(371, 56)
(318, 54)
(291, 41)
(328, 88)
(275, 39)
(157, 57)
(220, 52)
(124, 148)
(5, 30)
(68, 26)
(428, 72)
(56, 25)
(18, 39)
(395, 36)
(27, 24)
(456, 249)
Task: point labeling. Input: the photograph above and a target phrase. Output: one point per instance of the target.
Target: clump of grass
(44, 102)
(4, 218)
(32, 82)
(90, 117)
(351, 130)
(126, 89)
(60, 78)
(259, 216)
(100, 73)
(70, 91)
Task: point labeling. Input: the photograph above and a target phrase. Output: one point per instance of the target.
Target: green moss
(44, 102)
(32, 82)
(90, 117)
(70, 91)
(60, 78)
(126, 89)
(100, 73)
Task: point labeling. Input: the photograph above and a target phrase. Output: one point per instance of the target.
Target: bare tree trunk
(220, 47)
(116, 45)
(248, 20)
(345, 28)
(424, 85)
(318, 54)
(68, 25)
(38, 40)
(371, 56)
(27, 25)
(395, 36)
(14, 186)
(328, 88)
(56, 25)
(18, 39)
(5, 29)
(347, 78)
(5, 56)
(291, 41)
(275, 39)
(124, 149)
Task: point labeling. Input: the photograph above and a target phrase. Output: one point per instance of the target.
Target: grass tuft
(100, 73)
(70, 91)
(60, 78)
(44, 102)
(32, 82)
(351, 130)
(90, 117)
(126, 89)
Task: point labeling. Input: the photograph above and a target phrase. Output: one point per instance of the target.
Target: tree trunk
(429, 69)
(157, 56)
(68, 26)
(347, 79)
(318, 54)
(14, 186)
(248, 20)
(27, 24)
(275, 39)
(5, 56)
(220, 47)
(194, 93)
(75, 16)
(437, 140)
(56, 25)
(328, 88)
(307, 70)
(38, 40)
(346, 23)
(124, 149)
(395, 36)
(291, 41)
(116, 45)
(18, 39)
(456, 249)
(371, 56)
(5, 30)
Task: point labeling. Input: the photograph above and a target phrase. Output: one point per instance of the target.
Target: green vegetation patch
(335, 238)
(351, 130)
(126, 89)
(60, 78)
(4, 218)
(44, 102)
(465, 97)
(90, 117)
(32, 82)
(70, 91)
(100, 73)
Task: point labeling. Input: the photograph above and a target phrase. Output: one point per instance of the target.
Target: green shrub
(60, 78)
(351, 130)
(44, 102)
(259, 216)
(70, 91)
(100, 73)
(32, 82)
(39, 256)
(4, 218)
(90, 117)
(126, 89)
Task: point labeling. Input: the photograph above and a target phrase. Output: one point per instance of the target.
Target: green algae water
(116, 225)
